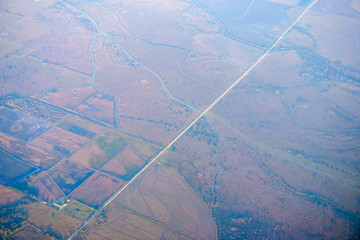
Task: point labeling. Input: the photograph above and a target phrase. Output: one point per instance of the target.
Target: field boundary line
(150, 163)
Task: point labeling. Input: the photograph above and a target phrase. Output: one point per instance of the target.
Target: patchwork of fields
(91, 92)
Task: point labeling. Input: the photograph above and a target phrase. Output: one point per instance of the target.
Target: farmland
(26, 152)
(124, 165)
(122, 119)
(44, 188)
(68, 98)
(20, 125)
(96, 189)
(98, 107)
(77, 209)
(12, 170)
(60, 141)
(8, 196)
(42, 219)
(69, 176)
(102, 149)
(80, 127)
(156, 213)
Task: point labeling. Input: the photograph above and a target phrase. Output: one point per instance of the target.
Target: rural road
(150, 163)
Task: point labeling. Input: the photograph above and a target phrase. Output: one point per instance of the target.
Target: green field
(78, 210)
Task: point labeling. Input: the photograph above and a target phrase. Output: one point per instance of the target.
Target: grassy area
(146, 149)
(111, 143)
(78, 210)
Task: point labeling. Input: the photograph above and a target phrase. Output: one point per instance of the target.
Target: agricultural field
(8, 196)
(25, 71)
(44, 188)
(98, 107)
(12, 170)
(69, 176)
(124, 165)
(21, 126)
(78, 210)
(101, 150)
(92, 91)
(143, 148)
(60, 141)
(68, 98)
(154, 203)
(96, 189)
(44, 221)
(28, 153)
(80, 127)
(128, 225)
(163, 195)
(29, 231)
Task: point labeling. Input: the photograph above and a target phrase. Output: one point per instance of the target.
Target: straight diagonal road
(196, 120)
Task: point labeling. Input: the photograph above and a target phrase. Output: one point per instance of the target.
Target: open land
(8, 196)
(96, 189)
(61, 141)
(44, 188)
(69, 98)
(77, 209)
(99, 151)
(124, 165)
(69, 176)
(19, 125)
(26, 152)
(103, 133)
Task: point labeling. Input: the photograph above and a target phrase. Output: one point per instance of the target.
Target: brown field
(127, 224)
(255, 191)
(29, 232)
(156, 133)
(45, 189)
(41, 217)
(27, 152)
(70, 98)
(95, 190)
(26, 72)
(289, 117)
(102, 149)
(124, 165)
(69, 176)
(160, 204)
(268, 195)
(50, 147)
(98, 107)
(44, 218)
(62, 138)
(163, 195)
(70, 40)
(8, 196)
(49, 63)
(145, 149)
(80, 127)
(131, 86)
